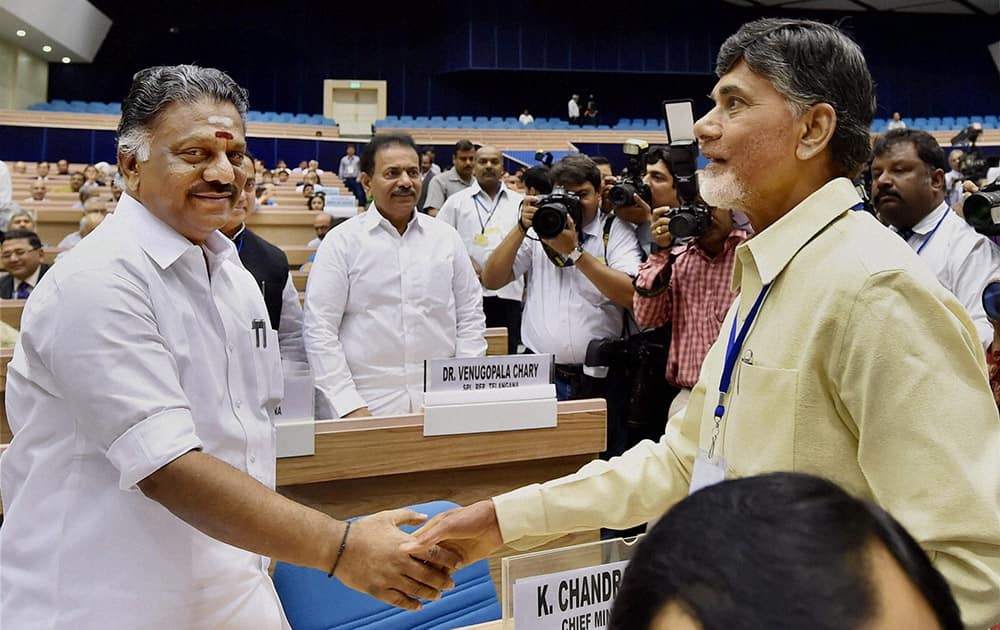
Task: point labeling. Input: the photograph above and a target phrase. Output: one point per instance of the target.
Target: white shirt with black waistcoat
(380, 303)
(483, 223)
(563, 310)
(963, 260)
(136, 349)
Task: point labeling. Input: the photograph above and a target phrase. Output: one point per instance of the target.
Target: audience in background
(22, 219)
(483, 214)
(317, 202)
(20, 167)
(350, 170)
(39, 192)
(896, 122)
(42, 170)
(458, 177)
(92, 217)
(953, 181)
(21, 254)
(573, 110)
(62, 167)
(526, 118)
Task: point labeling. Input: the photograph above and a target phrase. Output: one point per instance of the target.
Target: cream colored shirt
(862, 368)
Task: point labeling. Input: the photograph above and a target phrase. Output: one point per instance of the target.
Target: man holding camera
(687, 285)
(579, 280)
(844, 356)
(908, 190)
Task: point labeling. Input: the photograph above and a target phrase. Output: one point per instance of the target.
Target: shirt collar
(455, 177)
(239, 232)
(771, 250)
(372, 219)
(476, 188)
(32, 280)
(927, 223)
(160, 241)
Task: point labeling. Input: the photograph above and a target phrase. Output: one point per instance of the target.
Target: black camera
(982, 209)
(691, 219)
(622, 193)
(991, 301)
(972, 164)
(549, 219)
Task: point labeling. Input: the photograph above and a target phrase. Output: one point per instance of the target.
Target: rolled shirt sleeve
(290, 341)
(470, 322)
(116, 371)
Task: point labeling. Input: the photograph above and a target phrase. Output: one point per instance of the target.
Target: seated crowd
(436, 257)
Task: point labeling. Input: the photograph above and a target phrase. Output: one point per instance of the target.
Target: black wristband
(340, 552)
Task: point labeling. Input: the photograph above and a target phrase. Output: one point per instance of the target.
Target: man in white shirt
(569, 305)
(390, 288)
(39, 191)
(573, 110)
(953, 181)
(908, 190)
(896, 123)
(350, 170)
(483, 214)
(525, 118)
(147, 501)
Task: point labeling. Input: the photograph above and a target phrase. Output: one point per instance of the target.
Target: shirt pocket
(267, 368)
(761, 419)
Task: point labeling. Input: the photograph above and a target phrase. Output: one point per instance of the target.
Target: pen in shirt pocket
(259, 331)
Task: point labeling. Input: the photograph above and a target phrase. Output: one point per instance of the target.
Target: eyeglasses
(19, 253)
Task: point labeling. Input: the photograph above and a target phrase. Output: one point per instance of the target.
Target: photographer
(688, 286)
(579, 282)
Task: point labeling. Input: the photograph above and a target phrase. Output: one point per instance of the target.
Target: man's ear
(366, 181)
(816, 128)
(937, 179)
(129, 165)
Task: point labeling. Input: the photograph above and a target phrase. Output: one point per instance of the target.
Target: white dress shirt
(483, 223)
(379, 303)
(6, 187)
(563, 310)
(573, 109)
(135, 350)
(963, 260)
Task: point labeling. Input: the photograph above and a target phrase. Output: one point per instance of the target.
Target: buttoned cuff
(346, 402)
(152, 444)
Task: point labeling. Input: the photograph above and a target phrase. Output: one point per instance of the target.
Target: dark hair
(600, 160)
(574, 170)
(659, 153)
(381, 141)
(539, 178)
(321, 195)
(808, 63)
(928, 149)
(783, 550)
(32, 237)
(153, 89)
(464, 145)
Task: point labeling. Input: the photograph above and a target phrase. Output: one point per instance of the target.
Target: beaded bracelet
(340, 552)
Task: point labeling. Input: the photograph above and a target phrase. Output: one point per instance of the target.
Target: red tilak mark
(224, 134)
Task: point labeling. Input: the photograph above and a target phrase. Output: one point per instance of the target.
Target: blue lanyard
(732, 353)
(928, 239)
(489, 213)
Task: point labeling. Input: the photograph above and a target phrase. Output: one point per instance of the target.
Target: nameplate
(293, 416)
(473, 374)
(580, 599)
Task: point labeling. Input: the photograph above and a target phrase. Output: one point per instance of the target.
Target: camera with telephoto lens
(631, 184)
(691, 219)
(972, 164)
(552, 211)
(982, 209)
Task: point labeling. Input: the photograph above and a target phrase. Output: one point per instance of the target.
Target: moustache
(404, 192)
(227, 189)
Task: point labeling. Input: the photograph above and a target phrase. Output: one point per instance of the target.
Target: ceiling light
(66, 59)
(21, 32)
(46, 48)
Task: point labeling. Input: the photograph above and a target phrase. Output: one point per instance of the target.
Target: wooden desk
(10, 312)
(496, 341)
(363, 466)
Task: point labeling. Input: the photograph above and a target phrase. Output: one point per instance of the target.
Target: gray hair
(153, 89)
(808, 63)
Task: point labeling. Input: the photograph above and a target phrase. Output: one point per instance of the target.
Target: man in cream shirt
(856, 364)
(390, 288)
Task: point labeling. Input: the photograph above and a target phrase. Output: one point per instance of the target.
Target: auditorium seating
(58, 105)
(314, 602)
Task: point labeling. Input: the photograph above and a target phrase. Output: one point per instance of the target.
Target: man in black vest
(269, 267)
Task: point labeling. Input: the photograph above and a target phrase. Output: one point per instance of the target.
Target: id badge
(481, 239)
(707, 471)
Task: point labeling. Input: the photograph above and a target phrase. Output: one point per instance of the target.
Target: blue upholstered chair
(314, 602)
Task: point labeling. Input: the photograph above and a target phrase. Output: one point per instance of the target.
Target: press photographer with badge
(580, 266)
(844, 357)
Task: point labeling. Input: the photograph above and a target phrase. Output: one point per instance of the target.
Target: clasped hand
(565, 242)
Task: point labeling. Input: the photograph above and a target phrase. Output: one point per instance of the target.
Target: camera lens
(991, 301)
(979, 207)
(549, 220)
(621, 195)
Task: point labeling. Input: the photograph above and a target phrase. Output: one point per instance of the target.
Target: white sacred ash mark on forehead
(225, 121)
